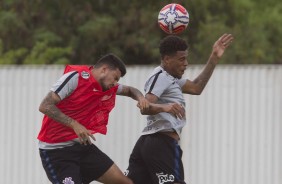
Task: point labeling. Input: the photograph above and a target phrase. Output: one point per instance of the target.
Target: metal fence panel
(232, 136)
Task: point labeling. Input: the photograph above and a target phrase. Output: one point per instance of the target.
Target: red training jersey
(88, 104)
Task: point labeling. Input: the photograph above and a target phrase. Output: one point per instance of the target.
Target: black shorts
(156, 159)
(78, 163)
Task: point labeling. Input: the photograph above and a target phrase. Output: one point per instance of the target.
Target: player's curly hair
(113, 62)
(171, 44)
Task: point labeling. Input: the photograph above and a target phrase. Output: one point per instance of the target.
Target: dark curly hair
(113, 62)
(171, 44)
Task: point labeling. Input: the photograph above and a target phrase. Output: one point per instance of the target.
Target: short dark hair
(171, 44)
(113, 62)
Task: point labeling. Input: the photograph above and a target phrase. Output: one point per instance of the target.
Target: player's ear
(166, 59)
(103, 70)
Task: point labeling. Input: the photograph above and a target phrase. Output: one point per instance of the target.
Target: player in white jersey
(156, 157)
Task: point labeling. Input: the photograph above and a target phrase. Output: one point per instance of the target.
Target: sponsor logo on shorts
(85, 75)
(163, 178)
(68, 180)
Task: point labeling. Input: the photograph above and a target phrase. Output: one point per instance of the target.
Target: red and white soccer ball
(173, 18)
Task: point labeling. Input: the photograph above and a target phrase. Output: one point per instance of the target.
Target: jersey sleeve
(157, 85)
(181, 82)
(66, 84)
(119, 90)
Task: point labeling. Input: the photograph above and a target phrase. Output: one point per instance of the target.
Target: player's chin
(110, 86)
(180, 74)
(104, 88)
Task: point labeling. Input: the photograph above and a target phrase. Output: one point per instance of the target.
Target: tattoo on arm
(130, 92)
(204, 77)
(48, 107)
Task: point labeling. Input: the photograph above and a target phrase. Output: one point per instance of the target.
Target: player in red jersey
(76, 107)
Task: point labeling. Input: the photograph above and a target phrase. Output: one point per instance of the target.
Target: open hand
(221, 44)
(176, 109)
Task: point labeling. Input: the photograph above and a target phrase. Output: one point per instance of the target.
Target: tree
(79, 32)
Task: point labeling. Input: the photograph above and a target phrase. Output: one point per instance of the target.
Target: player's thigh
(94, 163)
(60, 167)
(114, 176)
(138, 172)
(163, 159)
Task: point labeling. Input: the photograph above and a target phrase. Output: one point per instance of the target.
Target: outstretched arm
(49, 108)
(154, 108)
(196, 86)
(134, 94)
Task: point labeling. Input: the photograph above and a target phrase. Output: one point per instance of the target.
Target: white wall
(232, 137)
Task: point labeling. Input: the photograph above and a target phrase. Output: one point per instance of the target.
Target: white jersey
(168, 90)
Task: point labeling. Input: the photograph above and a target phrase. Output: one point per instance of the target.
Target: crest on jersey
(85, 75)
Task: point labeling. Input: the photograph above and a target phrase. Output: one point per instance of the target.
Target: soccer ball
(173, 18)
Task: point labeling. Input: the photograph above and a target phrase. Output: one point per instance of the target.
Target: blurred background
(78, 32)
(234, 132)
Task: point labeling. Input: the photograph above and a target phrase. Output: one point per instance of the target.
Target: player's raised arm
(196, 86)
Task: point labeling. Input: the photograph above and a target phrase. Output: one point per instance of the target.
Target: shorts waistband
(173, 135)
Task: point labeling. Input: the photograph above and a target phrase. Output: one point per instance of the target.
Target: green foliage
(79, 32)
(13, 56)
(44, 54)
(43, 35)
(12, 30)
